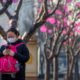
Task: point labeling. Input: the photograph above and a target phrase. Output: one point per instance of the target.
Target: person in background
(21, 56)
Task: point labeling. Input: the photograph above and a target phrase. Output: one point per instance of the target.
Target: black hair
(15, 31)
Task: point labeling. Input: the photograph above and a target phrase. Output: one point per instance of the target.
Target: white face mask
(12, 40)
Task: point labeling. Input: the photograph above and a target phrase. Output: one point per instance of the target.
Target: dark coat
(22, 56)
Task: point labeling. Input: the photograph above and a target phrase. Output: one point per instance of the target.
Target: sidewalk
(32, 78)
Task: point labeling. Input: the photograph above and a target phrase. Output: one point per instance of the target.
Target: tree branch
(8, 3)
(54, 9)
(18, 8)
(7, 12)
(32, 31)
(42, 13)
(3, 33)
(45, 6)
(40, 21)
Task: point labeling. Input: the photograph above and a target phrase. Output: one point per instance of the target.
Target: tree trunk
(76, 67)
(71, 66)
(66, 75)
(47, 74)
(55, 63)
(68, 62)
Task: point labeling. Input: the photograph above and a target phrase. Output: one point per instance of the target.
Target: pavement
(32, 78)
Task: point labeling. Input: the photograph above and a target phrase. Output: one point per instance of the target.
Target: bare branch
(45, 6)
(3, 33)
(47, 52)
(33, 30)
(7, 12)
(18, 8)
(54, 9)
(77, 52)
(16, 11)
(75, 41)
(8, 3)
(42, 13)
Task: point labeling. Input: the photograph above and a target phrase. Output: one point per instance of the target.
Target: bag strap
(19, 44)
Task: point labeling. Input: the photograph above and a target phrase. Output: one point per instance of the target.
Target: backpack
(9, 64)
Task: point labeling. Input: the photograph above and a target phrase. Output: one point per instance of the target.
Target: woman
(21, 56)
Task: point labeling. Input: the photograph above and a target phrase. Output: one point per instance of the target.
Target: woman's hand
(5, 52)
(8, 52)
(11, 53)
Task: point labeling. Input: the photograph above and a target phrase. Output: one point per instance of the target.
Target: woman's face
(12, 37)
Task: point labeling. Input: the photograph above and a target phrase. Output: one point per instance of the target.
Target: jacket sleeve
(24, 56)
(1, 51)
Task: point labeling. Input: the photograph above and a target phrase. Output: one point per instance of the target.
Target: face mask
(12, 40)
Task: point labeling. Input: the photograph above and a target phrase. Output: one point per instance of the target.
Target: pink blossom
(78, 4)
(65, 22)
(43, 28)
(58, 12)
(77, 24)
(39, 10)
(49, 31)
(64, 32)
(77, 28)
(71, 33)
(49, 11)
(64, 43)
(68, 1)
(40, 1)
(58, 23)
(51, 20)
(65, 8)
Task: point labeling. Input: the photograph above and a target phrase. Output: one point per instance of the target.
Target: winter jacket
(22, 56)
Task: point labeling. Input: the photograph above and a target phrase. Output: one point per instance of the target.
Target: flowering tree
(63, 21)
(43, 14)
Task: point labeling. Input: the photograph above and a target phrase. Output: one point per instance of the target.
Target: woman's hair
(15, 31)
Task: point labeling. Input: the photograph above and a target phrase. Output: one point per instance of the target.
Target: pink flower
(43, 28)
(39, 10)
(64, 32)
(58, 23)
(65, 8)
(49, 11)
(40, 1)
(58, 12)
(65, 22)
(65, 43)
(68, 1)
(78, 4)
(71, 33)
(51, 20)
(49, 31)
(77, 28)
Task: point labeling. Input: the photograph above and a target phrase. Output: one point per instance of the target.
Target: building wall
(32, 64)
